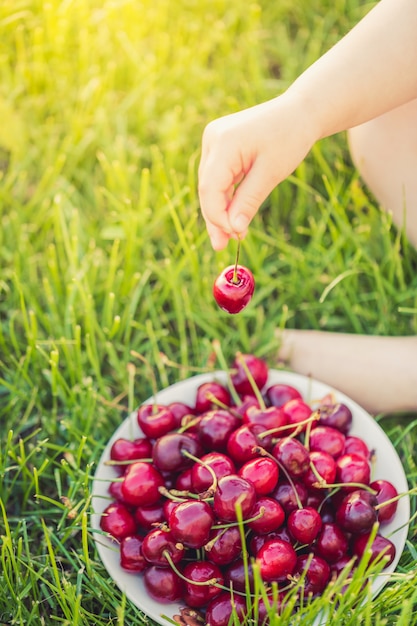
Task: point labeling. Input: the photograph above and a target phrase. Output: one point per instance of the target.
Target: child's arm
(370, 71)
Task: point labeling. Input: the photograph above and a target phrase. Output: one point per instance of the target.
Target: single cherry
(130, 450)
(169, 453)
(276, 559)
(148, 516)
(157, 544)
(131, 557)
(292, 455)
(141, 484)
(233, 491)
(336, 415)
(233, 288)
(224, 545)
(117, 520)
(380, 547)
(332, 543)
(215, 428)
(262, 472)
(317, 573)
(269, 515)
(190, 522)
(198, 595)
(219, 464)
(329, 439)
(220, 609)
(211, 395)
(258, 372)
(163, 584)
(304, 524)
(356, 512)
(279, 394)
(385, 491)
(155, 420)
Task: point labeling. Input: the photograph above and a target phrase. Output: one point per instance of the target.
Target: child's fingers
(248, 197)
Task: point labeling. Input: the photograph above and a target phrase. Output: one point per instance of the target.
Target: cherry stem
(251, 379)
(210, 396)
(199, 583)
(298, 426)
(237, 523)
(126, 462)
(235, 279)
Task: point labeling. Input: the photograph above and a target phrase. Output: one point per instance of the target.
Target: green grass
(103, 254)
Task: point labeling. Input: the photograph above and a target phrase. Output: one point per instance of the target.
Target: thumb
(247, 199)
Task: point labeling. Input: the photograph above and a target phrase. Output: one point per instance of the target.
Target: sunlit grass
(103, 254)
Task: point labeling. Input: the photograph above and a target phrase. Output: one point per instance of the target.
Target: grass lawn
(103, 256)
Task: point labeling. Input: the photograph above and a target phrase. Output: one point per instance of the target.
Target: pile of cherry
(211, 489)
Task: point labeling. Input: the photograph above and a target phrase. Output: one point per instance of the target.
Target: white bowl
(387, 465)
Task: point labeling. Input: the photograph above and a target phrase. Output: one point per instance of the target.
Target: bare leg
(380, 373)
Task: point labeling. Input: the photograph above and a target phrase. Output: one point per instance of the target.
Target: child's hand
(244, 156)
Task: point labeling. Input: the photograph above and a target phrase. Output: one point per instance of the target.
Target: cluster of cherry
(211, 489)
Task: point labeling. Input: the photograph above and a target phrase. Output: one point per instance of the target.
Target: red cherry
(215, 428)
(169, 451)
(220, 609)
(385, 491)
(258, 370)
(263, 473)
(352, 468)
(271, 417)
(163, 584)
(332, 543)
(180, 410)
(233, 288)
(201, 477)
(297, 411)
(207, 395)
(317, 573)
(325, 466)
(131, 557)
(279, 394)
(157, 543)
(356, 513)
(198, 595)
(336, 415)
(232, 491)
(356, 445)
(117, 520)
(304, 524)
(224, 546)
(272, 515)
(277, 560)
(379, 547)
(141, 484)
(289, 494)
(190, 522)
(292, 455)
(238, 574)
(329, 439)
(130, 450)
(148, 516)
(155, 420)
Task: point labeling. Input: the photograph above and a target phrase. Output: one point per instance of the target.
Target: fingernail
(240, 223)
